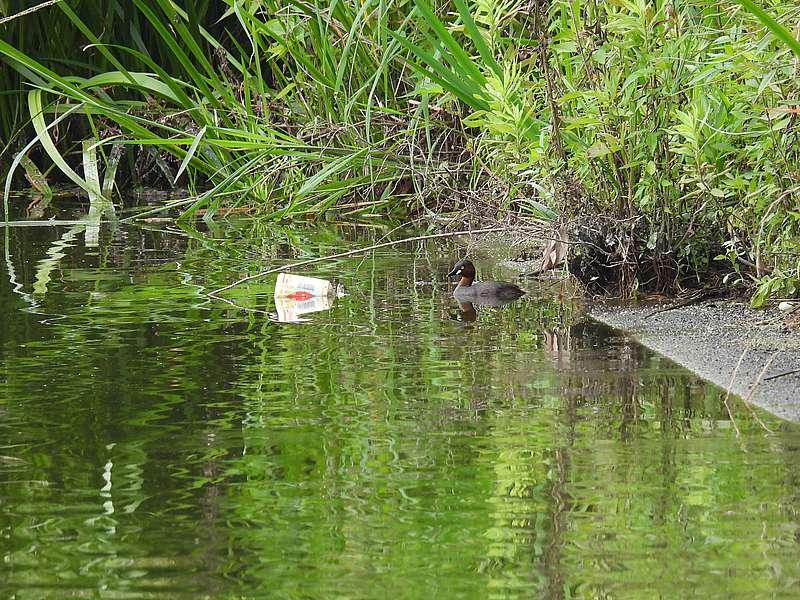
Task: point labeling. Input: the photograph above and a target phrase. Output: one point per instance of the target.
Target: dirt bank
(710, 338)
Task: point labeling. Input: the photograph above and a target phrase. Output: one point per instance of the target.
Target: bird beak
(454, 272)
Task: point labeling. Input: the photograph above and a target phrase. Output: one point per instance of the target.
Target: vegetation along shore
(663, 134)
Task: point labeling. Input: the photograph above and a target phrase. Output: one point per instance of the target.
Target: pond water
(158, 444)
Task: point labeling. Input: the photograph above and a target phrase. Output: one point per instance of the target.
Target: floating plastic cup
(297, 295)
(290, 311)
(299, 287)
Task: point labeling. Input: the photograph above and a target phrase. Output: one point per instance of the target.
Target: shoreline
(717, 339)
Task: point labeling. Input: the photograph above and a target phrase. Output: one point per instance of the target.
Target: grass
(665, 134)
(215, 121)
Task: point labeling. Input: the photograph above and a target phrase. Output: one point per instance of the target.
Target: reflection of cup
(297, 295)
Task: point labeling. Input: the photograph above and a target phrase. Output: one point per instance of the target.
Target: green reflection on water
(155, 444)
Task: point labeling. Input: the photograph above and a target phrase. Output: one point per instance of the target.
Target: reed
(666, 129)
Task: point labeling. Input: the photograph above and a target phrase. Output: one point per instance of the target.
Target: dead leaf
(556, 250)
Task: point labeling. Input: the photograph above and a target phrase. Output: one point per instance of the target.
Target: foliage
(668, 129)
(682, 119)
(271, 108)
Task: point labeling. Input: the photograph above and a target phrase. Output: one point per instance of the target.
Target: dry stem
(215, 293)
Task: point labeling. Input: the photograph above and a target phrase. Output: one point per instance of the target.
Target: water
(155, 444)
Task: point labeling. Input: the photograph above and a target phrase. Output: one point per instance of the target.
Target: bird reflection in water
(467, 312)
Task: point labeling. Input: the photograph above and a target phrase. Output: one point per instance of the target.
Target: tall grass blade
(43, 136)
(476, 37)
(91, 171)
(112, 163)
(21, 154)
(778, 30)
(192, 149)
(460, 58)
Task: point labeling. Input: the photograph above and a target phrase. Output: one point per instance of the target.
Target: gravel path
(709, 338)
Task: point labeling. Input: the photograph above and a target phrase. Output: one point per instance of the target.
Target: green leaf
(336, 166)
(43, 135)
(597, 150)
(778, 30)
(477, 38)
(143, 81)
(466, 65)
(190, 153)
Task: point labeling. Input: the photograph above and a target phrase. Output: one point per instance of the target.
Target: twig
(761, 375)
(753, 389)
(28, 11)
(704, 296)
(784, 374)
(44, 223)
(214, 294)
(730, 386)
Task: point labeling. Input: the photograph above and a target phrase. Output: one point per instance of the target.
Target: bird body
(481, 292)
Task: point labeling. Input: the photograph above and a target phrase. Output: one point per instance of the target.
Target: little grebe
(482, 292)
